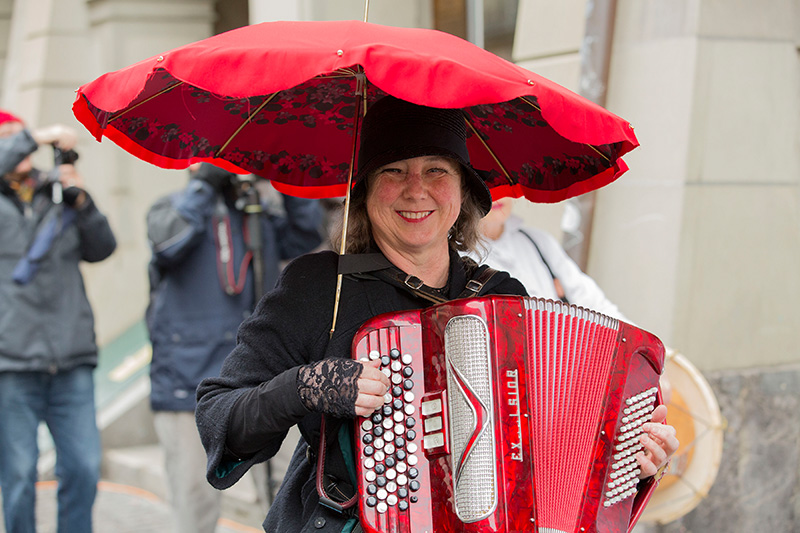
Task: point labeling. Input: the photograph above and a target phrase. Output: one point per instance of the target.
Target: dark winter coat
(291, 328)
(46, 325)
(191, 319)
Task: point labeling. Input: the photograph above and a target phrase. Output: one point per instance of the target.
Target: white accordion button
(435, 440)
(433, 424)
(407, 359)
(381, 507)
(431, 407)
(374, 354)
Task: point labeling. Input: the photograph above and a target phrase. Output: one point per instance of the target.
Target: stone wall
(758, 484)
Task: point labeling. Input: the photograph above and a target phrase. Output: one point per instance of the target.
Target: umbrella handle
(361, 96)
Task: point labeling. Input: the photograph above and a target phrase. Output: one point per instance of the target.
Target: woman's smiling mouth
(414, 215)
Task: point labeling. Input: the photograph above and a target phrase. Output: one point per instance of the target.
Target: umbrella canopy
(282, 99)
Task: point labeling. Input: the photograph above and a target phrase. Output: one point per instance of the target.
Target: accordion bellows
(505, 414)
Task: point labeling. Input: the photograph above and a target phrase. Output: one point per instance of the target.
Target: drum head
(693, 410)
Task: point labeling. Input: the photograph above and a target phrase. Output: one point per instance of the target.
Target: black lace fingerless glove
(330, 386)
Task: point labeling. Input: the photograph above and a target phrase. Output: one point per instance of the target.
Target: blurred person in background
(209, 240)
(536, 259)
(48, 225)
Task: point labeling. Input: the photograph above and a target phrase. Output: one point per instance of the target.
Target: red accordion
(505, 414)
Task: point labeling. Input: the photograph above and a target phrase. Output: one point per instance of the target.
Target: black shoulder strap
(556, 282)
(478, 279)
(475, 284)
(539, 251)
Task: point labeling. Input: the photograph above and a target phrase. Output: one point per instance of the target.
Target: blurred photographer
(48, 225)
(217, 247)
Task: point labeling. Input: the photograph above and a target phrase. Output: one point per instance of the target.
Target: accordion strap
(324, 499)
(413, 284)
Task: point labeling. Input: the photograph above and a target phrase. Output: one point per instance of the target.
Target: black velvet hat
(394, 129)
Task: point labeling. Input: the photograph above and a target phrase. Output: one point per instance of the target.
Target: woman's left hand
(659, 441)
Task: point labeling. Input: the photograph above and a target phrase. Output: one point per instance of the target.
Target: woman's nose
(415, 185)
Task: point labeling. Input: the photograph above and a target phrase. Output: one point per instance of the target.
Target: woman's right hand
(372, 387)
(342, 388)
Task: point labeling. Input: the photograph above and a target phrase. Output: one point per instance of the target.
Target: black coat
(290, 328)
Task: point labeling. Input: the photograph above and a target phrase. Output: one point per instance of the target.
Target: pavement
(120, 509)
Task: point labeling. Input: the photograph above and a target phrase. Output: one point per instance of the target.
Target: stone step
(143, 467)
(245, 502)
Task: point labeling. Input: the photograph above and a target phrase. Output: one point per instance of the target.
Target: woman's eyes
(430, 171)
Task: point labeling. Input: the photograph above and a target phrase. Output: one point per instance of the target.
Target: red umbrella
(282, 100)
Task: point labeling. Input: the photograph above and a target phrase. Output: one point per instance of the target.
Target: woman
(416, 202)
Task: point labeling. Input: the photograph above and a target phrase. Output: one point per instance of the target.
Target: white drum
(694, 412)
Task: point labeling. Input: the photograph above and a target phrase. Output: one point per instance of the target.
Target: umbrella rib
(159, 93)
(511, 180)
(243, 124)
(537, 108)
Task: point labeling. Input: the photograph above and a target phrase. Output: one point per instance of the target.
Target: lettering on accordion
(512, 394)
(505, 414)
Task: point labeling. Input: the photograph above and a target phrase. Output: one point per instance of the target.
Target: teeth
(414, 214)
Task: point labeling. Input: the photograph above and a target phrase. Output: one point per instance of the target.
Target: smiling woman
(417, 201)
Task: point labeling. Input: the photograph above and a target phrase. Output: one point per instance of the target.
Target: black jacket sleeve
(250, 407)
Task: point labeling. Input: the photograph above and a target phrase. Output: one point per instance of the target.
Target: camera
(64, 157)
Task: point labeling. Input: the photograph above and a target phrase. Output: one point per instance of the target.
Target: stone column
(701, 241)
(6, 9)
(119, 33)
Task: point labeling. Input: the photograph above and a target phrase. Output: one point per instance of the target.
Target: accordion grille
(469, 381)
(571, 353)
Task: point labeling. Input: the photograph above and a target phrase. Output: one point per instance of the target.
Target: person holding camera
(217, 246)
(48, 225)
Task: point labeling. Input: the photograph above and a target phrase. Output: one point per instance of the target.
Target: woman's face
(413, 203)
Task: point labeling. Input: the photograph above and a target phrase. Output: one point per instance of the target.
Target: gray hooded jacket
(46, 325)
